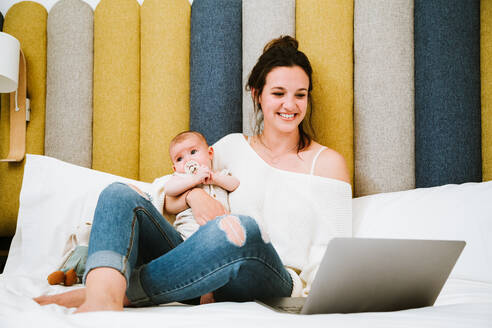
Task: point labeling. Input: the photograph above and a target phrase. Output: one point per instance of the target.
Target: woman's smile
(288, 117)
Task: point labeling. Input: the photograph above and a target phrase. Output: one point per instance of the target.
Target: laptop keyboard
(289, 309)
(285, 304)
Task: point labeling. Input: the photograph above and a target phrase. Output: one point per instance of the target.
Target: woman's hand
(204, 207)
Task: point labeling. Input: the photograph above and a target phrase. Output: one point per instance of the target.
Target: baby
(192, 164)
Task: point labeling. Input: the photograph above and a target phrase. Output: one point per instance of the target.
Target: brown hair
(280, 52)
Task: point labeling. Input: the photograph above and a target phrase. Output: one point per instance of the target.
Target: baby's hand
(211, 178)
(203, 173)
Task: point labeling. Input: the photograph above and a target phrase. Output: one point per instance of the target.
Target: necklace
(273, 159)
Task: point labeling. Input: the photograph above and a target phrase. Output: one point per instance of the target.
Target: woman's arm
(204, 207)
(175, 204)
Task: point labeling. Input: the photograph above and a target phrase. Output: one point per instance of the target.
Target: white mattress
(462, 303)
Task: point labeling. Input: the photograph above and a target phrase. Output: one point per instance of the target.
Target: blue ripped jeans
(131, 236)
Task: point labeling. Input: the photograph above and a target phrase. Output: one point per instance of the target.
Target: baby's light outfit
(185, 222)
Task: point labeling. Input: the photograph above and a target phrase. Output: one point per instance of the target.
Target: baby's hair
(185, 135)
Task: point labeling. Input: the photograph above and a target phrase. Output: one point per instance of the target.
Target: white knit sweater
(299, 212)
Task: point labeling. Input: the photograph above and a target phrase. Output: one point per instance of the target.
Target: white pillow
(55, 197)
(449, 212)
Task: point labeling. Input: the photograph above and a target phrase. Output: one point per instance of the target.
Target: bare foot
(72, 298)
(99, 304)
(105, 291)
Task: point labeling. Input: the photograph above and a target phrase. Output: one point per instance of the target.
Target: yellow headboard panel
(27, 22)
(165, 84)
(486, 76)
(116, 87)
(329, 46)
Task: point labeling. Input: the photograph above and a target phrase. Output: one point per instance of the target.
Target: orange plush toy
(75, 256)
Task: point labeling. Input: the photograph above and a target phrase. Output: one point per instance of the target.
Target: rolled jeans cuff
(108, 259)
(135, 293)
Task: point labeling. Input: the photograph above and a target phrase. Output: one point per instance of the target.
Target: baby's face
(192, 148)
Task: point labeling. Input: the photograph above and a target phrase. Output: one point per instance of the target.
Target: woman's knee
(116, 190)
(240, 229)
(116, 193)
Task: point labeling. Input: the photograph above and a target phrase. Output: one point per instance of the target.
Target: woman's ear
(255, 97)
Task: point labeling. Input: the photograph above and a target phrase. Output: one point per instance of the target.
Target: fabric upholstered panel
(69, 82)
(215, 68)
(447, 92)
(27, 22)
(1, 26)
(383, 96)
(324, 30)
(165, 82)
(486, 77)
(262, 22)
(116, 87)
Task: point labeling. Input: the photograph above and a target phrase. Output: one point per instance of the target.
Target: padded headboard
(401, 88)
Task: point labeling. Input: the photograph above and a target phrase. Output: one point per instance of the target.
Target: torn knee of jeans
(235, 233)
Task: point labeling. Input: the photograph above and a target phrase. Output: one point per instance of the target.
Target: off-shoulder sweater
(300, 213)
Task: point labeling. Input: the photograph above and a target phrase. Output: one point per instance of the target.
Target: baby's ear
(174, 168)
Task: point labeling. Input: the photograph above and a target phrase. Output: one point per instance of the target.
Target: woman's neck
(279, 142)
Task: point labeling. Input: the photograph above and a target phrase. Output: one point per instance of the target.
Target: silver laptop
(375, 275)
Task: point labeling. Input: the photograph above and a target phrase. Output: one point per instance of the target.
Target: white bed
(56, 196)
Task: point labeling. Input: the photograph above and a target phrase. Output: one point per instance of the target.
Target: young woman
(294, 196)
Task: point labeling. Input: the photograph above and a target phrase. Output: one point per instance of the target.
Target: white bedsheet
(56, 196)
(462, 303)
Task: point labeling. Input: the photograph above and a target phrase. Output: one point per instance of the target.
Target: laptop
(375, 275)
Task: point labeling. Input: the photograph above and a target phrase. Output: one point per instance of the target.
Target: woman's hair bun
(285, 42)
